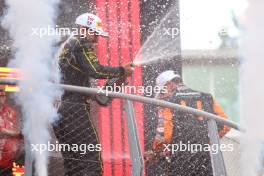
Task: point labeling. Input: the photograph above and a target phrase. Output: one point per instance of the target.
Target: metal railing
(89, 91)
(135, 150)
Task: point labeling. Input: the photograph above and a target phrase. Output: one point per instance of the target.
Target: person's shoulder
(77, 43)
(185, 90)
(208, 97)
(199, 92)
(207, 94)
(85, 43)
(72, 42)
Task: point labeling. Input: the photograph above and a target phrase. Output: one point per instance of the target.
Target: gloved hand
(150, 156)
(129, 69)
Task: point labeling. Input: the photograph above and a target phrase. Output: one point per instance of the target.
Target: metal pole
(133, 139)
(152, 101)
(217, 160)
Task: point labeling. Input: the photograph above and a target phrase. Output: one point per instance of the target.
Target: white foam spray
(34, 56)
(252, 89)
(163, 42)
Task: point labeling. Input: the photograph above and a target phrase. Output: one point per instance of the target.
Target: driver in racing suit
(78, 64)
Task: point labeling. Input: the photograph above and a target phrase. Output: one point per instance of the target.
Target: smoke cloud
(34, 56)
(252, 86)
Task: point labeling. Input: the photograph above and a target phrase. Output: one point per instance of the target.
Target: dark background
(151, 12)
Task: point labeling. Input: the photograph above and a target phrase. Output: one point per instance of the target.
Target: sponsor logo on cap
(90, 20)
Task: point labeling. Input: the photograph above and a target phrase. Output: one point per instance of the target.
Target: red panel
(125, 40)
(104, 114)
(116, 108)
(125, 57)
(135, 21)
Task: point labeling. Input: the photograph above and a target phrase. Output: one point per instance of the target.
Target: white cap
(93, 22)
(166, 76)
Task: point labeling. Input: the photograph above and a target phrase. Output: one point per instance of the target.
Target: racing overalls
(9, 146)
(78, 64)
(176, 127)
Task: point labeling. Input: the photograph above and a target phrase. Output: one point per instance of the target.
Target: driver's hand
(149, 156)
(129, 69)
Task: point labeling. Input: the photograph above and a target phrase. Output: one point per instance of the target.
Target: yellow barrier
(10, 73)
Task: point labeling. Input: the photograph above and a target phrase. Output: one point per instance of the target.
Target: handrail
(157, 102)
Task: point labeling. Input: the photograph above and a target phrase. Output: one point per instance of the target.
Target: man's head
(2, 97)
(90, 27)
(168, 79)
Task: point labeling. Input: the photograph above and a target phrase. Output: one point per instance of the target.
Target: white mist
(252, 89)
(34, 56)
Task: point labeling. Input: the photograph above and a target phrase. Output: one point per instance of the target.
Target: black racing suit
(188, 129)
(78, 63)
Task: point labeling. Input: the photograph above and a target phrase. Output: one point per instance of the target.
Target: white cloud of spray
(252, 89)
(34, 56)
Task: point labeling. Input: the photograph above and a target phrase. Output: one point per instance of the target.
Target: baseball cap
(166, 76)
(93, 22)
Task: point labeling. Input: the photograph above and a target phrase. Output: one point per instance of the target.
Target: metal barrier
(89, 91)
(217, 159)
(136, 153)
(133, 138)
(137, 162)
(152, 101)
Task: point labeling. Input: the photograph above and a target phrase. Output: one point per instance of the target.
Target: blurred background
(210, 36)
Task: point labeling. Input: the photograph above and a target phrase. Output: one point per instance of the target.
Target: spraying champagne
(115, 84)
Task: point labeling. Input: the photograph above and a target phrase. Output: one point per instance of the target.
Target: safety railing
(133, 137)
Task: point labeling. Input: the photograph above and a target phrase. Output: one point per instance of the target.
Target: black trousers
(189, 130)
(76, 127)
(159, 167)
